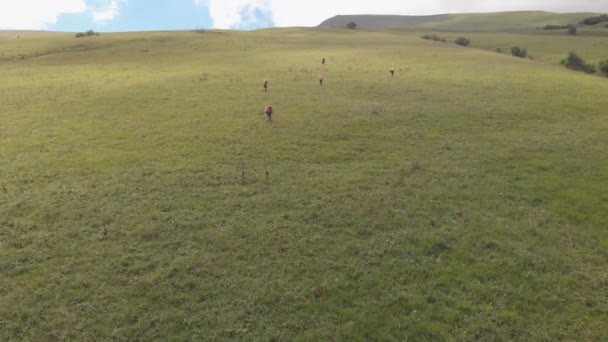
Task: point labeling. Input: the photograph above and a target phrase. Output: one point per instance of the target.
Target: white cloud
(234, 13)
(35, 14)
(109, 12)
(228, 13)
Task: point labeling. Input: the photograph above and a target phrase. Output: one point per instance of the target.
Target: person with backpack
(268, 111)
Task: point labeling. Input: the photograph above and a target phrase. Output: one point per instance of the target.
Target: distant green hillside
(466, 22)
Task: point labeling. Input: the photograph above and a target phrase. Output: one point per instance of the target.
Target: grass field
(143, 196)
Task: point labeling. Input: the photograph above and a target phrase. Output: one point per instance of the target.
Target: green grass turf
(144, 196)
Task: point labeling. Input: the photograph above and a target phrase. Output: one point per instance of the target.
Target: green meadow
(144, 196)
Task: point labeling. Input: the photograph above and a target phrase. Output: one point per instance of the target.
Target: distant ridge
(384, 21)
(24, 33)
(462, 22)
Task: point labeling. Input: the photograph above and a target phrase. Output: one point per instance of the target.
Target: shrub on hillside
(570, 27)
(352, 25)
(555, 27)
(433, 37)
(604, 67)
(89, 33)
(516, 51)
(462, 41)
(595, 20)
(575, 62)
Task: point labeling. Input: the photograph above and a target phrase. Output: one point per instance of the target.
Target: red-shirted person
(268, 111)
(321, 79)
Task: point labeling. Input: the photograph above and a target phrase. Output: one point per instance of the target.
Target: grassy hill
(379, 22)
(143, 195)
(548, 47)
(461, 22)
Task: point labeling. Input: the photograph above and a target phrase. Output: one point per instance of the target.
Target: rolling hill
(461, 22)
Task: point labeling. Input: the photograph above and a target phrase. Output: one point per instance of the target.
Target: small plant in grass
(517, 51)
(604, 67)
(577, 63)
(462, 41)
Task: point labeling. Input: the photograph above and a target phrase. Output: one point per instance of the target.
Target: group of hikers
(269, 111)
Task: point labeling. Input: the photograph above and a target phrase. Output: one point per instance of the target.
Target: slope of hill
(543, 46)
(143, 195)
(461, 22)
(378, 22)
(25, 34)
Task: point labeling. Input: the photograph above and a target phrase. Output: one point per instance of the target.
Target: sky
(141, 15)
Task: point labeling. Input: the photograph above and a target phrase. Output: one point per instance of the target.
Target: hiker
(323, 61)
(268, 112)
(321, 79)
(265, 85)
(392, 72)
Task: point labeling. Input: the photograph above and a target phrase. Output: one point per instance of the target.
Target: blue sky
(137, 15)
(141, 15)
(134, 15)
